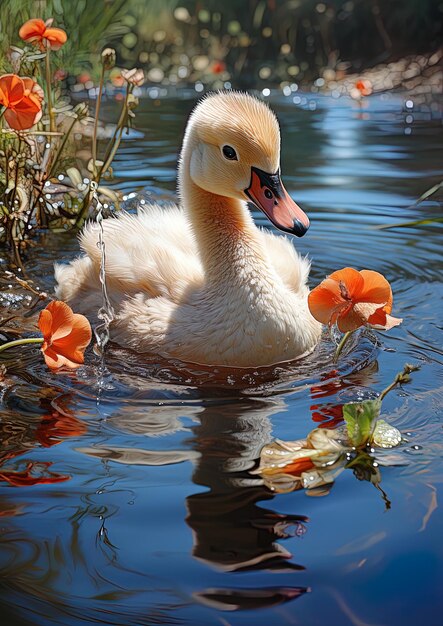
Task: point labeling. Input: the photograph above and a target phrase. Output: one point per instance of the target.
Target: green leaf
(360, 419)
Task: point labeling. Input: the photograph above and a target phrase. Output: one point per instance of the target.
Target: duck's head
(232, 149)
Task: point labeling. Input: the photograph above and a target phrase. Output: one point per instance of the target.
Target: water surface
(143, 510)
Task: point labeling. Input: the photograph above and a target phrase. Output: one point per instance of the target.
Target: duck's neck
(227, 239)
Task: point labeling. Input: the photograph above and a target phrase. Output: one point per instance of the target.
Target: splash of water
(106, 312)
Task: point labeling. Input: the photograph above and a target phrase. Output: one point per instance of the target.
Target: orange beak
(266, 191)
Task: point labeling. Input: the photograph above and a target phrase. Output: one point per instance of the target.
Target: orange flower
(364, 86)
(22, 98)
(352, 299)
(66, 335)
(297, 467)
(39, 32)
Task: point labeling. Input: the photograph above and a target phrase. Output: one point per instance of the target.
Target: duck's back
(153, 252)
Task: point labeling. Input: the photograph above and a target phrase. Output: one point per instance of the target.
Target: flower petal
(73, 345)
(45, 322)
(55, 361)
(376, 289)
(350, 320)
(62, 319)
(21, 120)
(298, 466)
(12, 89)
(326, 300)
(366, 309)
(32, 30)
(382, 321)
(352, 280)
(56, 37)
(33, 90)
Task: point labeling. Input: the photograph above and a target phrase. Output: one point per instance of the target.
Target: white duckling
(202, 283)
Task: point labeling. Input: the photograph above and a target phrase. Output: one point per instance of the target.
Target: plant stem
(97, 112)
(17, 165)
(48, 93)
(110, 153)
(60, 149)
(20, 342)
(121, 124)
(341, 345)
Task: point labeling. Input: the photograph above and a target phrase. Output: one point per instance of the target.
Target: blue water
(158, 520)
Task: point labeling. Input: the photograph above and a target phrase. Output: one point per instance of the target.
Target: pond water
(143, 509)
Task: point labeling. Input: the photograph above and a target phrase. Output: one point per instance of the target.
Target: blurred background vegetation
(248, 42)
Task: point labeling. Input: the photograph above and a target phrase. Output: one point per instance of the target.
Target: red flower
(39, 32)
(364, 86)
(66, 335)
(22, 98)
(353, 299)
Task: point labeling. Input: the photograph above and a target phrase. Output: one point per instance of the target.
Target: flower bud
(133, 102)
(134, 77)
(108, 58)
(81, 110)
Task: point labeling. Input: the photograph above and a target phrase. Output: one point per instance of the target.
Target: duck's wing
(292, 268)
(153, 252)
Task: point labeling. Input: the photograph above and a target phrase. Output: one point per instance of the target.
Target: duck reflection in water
(230, 530)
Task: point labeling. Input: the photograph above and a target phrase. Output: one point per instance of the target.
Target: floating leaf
(385, 435)
(360, 419)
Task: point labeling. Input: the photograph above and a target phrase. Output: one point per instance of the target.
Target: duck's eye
(229, 153)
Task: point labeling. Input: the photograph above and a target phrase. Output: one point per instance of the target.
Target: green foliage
(304, 35)
(90, 25)
(360, 418)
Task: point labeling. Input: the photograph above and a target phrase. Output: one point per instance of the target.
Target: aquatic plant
(317, 460)
(44, 180)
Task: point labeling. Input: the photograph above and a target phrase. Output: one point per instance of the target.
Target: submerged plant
(317, 460)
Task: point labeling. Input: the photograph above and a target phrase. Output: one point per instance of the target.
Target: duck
(199, 281)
